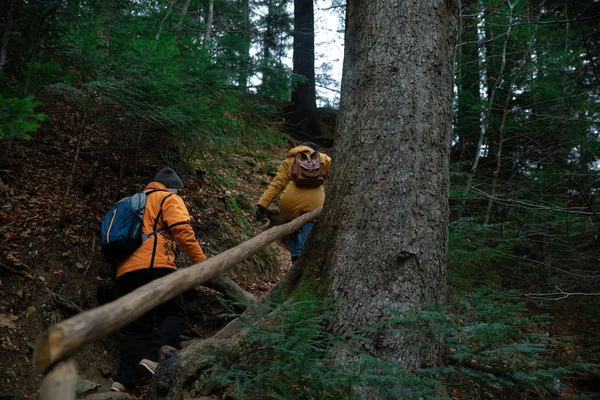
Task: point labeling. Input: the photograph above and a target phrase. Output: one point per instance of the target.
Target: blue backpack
(121, 232)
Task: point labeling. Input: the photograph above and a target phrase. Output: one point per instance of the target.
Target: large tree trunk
(303, 113)
(382, 241)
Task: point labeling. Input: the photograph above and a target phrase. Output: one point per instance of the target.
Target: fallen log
(59, 382)
(65, 338)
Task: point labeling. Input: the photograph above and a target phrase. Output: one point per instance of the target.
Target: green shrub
(292, 357)
(491, 342)
(18, 117)
(492, 345)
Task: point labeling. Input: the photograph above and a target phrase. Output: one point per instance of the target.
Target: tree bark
(303, 115)
(381, 242)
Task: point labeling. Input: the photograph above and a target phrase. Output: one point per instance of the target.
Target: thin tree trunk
(209, 20)
(516, 73)
(6, 34)
(487, 111)
(184, 11)
(165, 18)
(565, 49)
(246, 44)
(4, 161)
(268, 43)
(498, 160)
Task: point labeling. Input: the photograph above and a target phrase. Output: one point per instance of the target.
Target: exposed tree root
(227, 286)
(12, 270)
(180, 368)
(63, 303)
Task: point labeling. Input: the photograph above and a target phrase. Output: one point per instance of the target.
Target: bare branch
(512, 202)
(165, 19)
(560, 295)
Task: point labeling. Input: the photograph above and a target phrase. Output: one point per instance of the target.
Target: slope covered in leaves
(53, 197)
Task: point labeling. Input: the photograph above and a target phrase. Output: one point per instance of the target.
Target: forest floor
(51, 206)
(50, 261)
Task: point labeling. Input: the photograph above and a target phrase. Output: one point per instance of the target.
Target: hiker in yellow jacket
(154, 259)
(294, 200)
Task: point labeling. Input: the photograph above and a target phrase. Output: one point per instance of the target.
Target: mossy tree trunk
(381, 241)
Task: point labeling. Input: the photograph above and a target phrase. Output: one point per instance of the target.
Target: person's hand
(260, 212)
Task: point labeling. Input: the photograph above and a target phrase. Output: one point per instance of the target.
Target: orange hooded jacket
(167, 210)
(294, 200)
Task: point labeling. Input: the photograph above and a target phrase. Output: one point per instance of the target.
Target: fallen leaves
(8, 321)
(8, 345)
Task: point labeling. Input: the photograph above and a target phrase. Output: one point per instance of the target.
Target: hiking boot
(147, 368)
(118, 387)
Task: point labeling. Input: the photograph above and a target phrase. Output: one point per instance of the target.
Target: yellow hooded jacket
(294, 200)
(163, 209)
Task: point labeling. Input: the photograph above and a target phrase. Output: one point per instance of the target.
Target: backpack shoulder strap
(158, 217)
(155, 231)
(154, 191)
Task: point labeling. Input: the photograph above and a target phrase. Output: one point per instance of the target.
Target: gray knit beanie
(169, 178)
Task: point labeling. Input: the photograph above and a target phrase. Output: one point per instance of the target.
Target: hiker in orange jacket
(154, 259)
(295, 200)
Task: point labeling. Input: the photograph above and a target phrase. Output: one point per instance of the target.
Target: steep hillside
(52, 198)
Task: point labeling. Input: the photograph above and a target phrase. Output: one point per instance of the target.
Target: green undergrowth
(493, 349)
(290, 355)
(237, 169)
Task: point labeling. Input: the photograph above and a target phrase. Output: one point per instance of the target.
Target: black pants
(159, 327)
